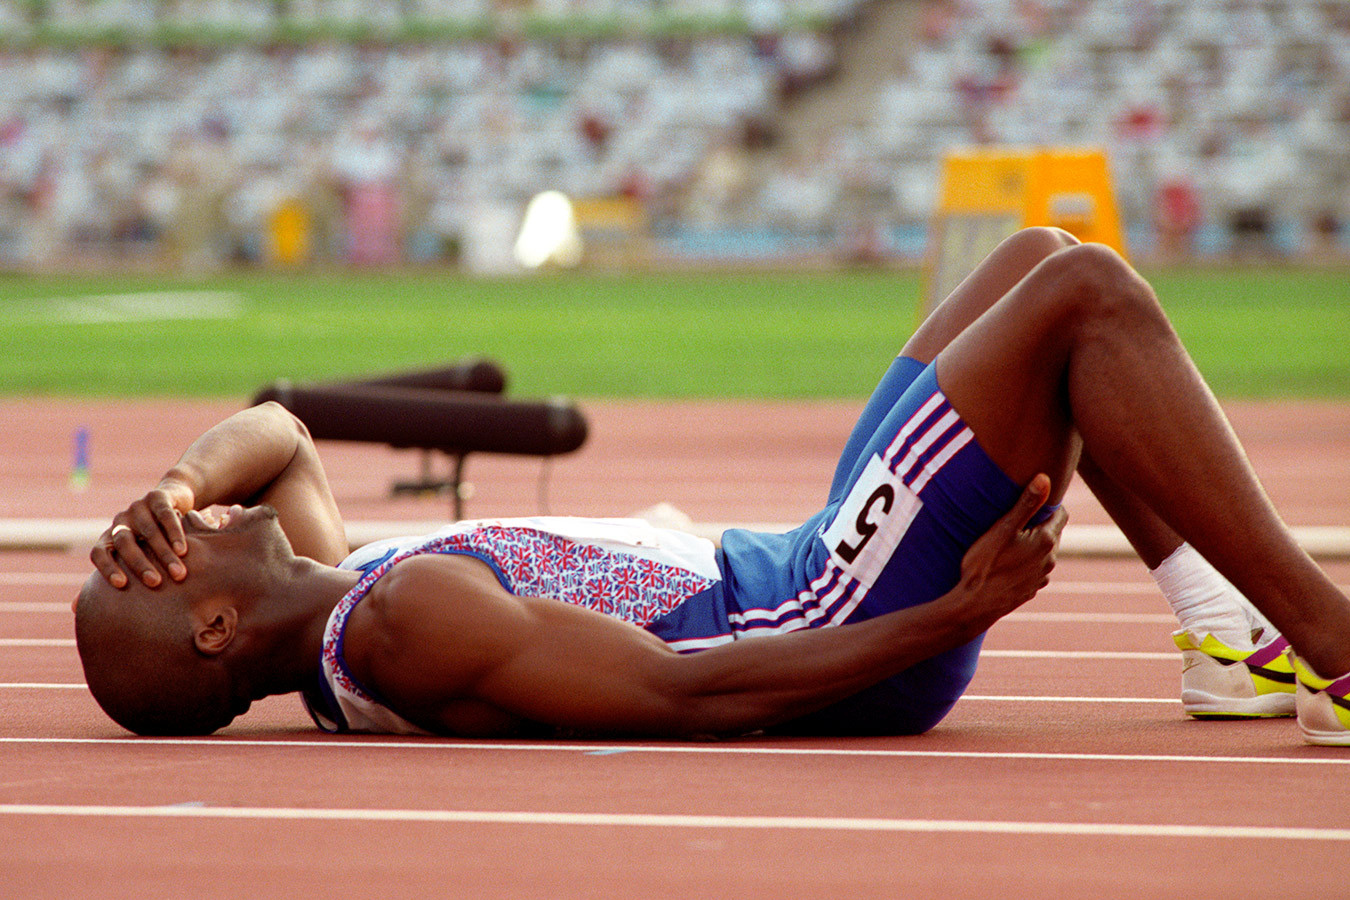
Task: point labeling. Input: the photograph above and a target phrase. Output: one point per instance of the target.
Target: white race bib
(870, 522)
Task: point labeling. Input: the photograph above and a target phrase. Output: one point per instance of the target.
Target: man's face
(236, 519)
(237, 536)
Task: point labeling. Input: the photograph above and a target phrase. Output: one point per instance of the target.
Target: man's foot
(1218, 682)
(1323, 706)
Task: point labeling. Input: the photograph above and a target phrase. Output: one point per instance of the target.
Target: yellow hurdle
(289, 233)
(615, 231)
(988, 193)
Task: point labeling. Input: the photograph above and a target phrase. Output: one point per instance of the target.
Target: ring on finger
(118, 529)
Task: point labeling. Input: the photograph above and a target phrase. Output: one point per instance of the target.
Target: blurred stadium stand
(197, 133)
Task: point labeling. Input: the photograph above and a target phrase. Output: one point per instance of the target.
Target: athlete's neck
(285, 634)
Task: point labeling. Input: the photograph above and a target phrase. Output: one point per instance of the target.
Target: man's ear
(215, 628)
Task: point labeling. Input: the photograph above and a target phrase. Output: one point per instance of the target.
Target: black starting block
(454, 411)
(479, 376)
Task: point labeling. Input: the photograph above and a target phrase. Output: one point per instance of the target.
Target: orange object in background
(988, 193)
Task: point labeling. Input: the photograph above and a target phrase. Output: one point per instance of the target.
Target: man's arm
(259, 455)
(442, 632)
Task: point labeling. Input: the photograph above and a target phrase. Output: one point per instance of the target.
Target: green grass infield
(1255, 332)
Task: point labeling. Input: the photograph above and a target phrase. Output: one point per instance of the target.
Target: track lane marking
(43, 686)
(44, 579)
(676, 749)
(76, 579)
(1131, 655)
(34, 606)
(1102, 587)
(999, 698)
(698, 822)
(63, 608)
(37, 606)
(1026, 698)
(1133, 588)
(1095, 618)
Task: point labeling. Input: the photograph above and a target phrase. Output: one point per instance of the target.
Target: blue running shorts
(912, 491)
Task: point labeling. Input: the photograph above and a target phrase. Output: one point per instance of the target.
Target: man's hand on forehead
(146, 540)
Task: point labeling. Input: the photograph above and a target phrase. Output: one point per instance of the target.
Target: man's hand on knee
(1011, 562)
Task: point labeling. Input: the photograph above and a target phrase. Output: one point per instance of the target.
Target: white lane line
(1000, 698)
(739, 749)
(40, 686)
(76, 579)
(1132, 588)
(993, 654)
(44, 579)
(1102, 587)
(1099, 618)
(1023, 698)
(33, 606)
(1078, 654)
(63, 608)
(653, 820)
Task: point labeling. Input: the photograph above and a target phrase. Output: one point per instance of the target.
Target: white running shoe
(1218, 682)
(1323, 706)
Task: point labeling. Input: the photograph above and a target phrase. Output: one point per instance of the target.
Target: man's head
(168, 661)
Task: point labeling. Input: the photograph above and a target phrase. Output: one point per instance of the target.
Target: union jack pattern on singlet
(532, 562)
(539, 564)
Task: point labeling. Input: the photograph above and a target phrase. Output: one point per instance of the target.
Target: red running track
(1069, 770)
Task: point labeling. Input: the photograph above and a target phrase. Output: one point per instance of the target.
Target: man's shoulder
(430, 583)
(428, 614)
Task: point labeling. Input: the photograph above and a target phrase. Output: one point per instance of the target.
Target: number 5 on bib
(870, 522)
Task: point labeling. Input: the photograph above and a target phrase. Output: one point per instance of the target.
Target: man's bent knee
(1043, 240)
(1095, 279)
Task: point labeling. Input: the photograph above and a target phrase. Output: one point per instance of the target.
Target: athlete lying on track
(942, 518)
